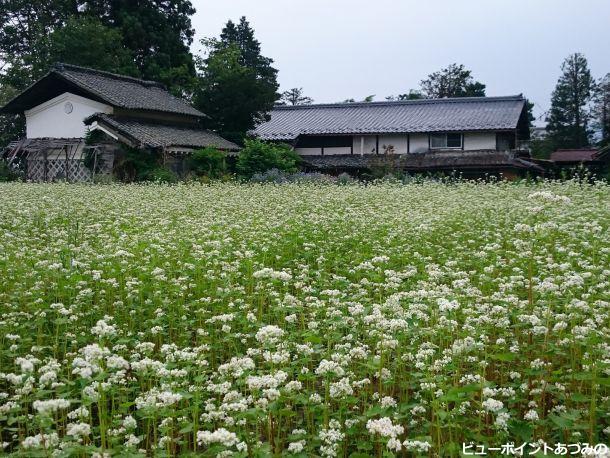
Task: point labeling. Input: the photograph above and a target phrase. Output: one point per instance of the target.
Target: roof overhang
(118, 130)
(52, 85)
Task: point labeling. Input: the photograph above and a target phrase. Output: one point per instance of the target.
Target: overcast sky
(339, 49)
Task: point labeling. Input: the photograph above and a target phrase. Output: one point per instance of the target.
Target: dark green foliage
(95, 136)
(6, 174)
(452, 81)
(529, 106)
(12, 127)
(154, 35)
(87, 42)
(162, 175)
(208, 162)
(258, 156)
(569, 115)
(158, 33)
(541, 148)
(601, 110)
(134, 164)
(238, 86)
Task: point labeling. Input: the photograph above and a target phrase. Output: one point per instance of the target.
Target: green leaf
(522, 430)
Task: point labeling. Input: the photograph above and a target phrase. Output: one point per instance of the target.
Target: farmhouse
(474, 135)
(70, 101)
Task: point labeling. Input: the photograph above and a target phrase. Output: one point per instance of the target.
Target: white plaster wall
(479, 140)
(419, 143)
(51, 120)
(399, 142)
(308, 151)
(338, 150)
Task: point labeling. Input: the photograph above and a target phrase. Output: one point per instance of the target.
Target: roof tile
(428, 115)
(163, 135)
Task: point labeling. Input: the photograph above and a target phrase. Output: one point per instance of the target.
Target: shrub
(208, 162)
(269, 176)
(258, 156)
(161, 175)
(141, 165)
(6, 174)
(345, 178)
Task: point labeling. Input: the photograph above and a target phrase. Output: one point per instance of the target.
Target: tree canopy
(601, 110)
(237, 85)
(452, 81)
(295, 96)
(568, 119)
(87, 42)
(155, 35)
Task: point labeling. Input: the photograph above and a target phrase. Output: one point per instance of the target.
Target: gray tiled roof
(118, 91)
(429, 115)
(124, 91)
(155, 135)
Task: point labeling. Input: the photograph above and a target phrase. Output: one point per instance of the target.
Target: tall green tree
(242, 36)
(568, 119)
(158, 33)
(452, 81)
(86, 41)
(24, 27)
(237, 85)
(601, 110)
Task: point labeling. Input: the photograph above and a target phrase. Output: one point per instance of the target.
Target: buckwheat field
(301, 319)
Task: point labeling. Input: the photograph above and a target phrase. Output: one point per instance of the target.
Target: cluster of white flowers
(341, 388)
(157, 399)
(417, 446)
(273, 274)
(46, 441)
(223, 437)
(78, 429)
(236, 366)
(384, 427)
(492, 405)
(50, 406)
(329, 367)
(103, 329)
(549, 197)
(256, 382)
(331, 438)
(269, 334)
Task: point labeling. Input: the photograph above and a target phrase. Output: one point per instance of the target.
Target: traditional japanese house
(70, 103)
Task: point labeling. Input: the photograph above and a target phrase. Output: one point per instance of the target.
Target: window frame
(446, 135)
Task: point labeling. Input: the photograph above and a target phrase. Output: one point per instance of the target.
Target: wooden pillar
(67, 164)
(46, 166)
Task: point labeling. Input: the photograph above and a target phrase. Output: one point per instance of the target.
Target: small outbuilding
(72, 105)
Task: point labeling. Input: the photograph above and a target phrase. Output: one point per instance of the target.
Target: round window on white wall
(68, 107)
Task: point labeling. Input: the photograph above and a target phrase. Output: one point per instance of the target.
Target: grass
(385, 320)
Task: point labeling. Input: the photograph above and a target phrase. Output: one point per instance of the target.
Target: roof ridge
(60, 67)
(516, 97)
